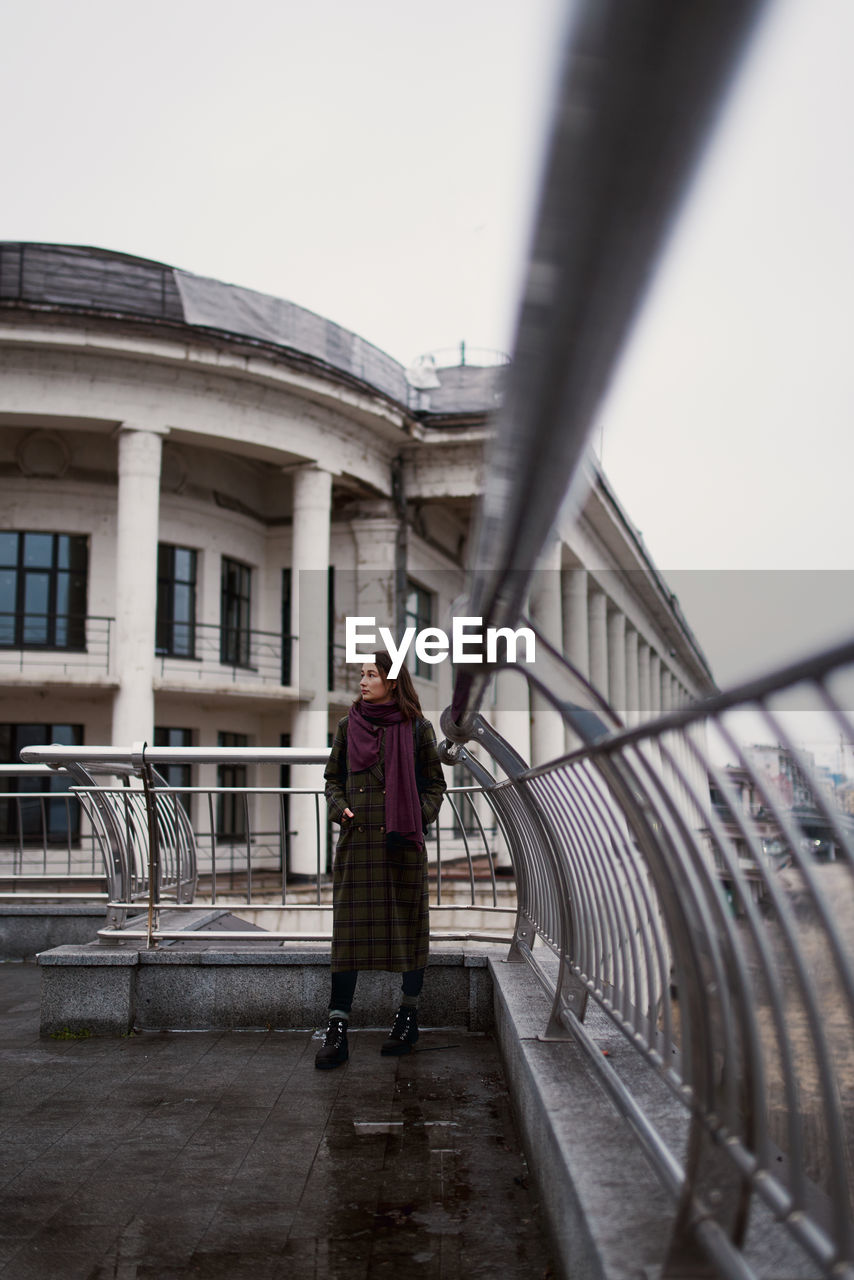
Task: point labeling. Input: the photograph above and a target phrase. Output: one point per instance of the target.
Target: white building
(182, 462)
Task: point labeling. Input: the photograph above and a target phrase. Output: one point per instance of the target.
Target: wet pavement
(226, 1154)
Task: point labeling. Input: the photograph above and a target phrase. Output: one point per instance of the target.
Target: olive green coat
(380, 911)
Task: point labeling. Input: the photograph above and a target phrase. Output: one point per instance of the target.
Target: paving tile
(225, 1155)
(262, 1227)
(68, 1253)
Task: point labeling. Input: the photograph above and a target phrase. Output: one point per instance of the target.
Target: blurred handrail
(131, 759)
(637, 91)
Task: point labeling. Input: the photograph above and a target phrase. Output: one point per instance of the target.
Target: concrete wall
(27, 930)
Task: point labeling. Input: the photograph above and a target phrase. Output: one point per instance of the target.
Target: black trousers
(344, 987)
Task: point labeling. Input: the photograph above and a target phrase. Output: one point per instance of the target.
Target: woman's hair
(404, 692)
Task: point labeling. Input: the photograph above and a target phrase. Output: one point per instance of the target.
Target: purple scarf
(366, 725)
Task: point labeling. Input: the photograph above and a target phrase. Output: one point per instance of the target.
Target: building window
(29, 817)
(231, 807)
(43, 579)
(286, 626)
(285, 809)
(330, 628)
(234, 613)
(175, 775)
(176, 601)
(419, 614)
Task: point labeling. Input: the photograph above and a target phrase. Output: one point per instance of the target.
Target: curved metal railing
(701, 893)
(227, 847)
(147, 841)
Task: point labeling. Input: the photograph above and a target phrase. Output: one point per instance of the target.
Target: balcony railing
(70, 643)
(204, 651)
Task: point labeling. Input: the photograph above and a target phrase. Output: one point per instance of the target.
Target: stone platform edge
(28, 928)
(608, 1214)
(113, 990)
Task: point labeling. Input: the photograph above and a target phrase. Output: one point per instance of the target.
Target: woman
(384, 784)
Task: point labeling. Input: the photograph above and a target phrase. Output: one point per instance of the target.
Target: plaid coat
(380, 912)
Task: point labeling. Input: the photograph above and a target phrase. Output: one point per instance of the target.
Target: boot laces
(402, 1024)
(335, 1033)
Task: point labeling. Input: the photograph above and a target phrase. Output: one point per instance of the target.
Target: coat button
(361, 788)
(382, 828)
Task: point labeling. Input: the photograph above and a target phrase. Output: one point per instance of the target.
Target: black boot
(404, 1033)
(335, 1051)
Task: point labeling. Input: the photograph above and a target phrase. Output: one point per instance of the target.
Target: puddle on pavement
(366, 1127)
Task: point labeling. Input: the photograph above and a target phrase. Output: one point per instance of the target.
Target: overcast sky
(374, 160)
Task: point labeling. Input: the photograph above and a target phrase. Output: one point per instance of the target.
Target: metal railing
(205, 651)
(72, 643)
(728, 969)
(203, 846)
(47, 849)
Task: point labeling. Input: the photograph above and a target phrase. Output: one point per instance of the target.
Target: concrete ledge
(108, 990)
(26, 930)
(607, 1215)
(94, 1001)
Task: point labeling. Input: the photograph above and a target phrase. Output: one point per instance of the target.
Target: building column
(697, 772)
(632, 678)
(617, 663)
(692, 803)
(598, 616)
(670, 702)
(644, 699)
(137, 524)
(654, 684)
(310, 613)
(511, 715)
(548, 736)
(666, 690)
(575, 620)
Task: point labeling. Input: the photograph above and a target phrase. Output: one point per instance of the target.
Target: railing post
(146, 774)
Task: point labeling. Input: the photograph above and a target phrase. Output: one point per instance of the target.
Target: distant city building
(769, 802)
(201, 482)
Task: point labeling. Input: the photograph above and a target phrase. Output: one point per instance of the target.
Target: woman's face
(373, 685)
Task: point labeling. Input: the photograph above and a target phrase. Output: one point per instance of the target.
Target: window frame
(420, 620)
(236, 652)
(230, 809)
(287, 623)
(175, 775)
(168, 584)
(69, 580)
(68, 830)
